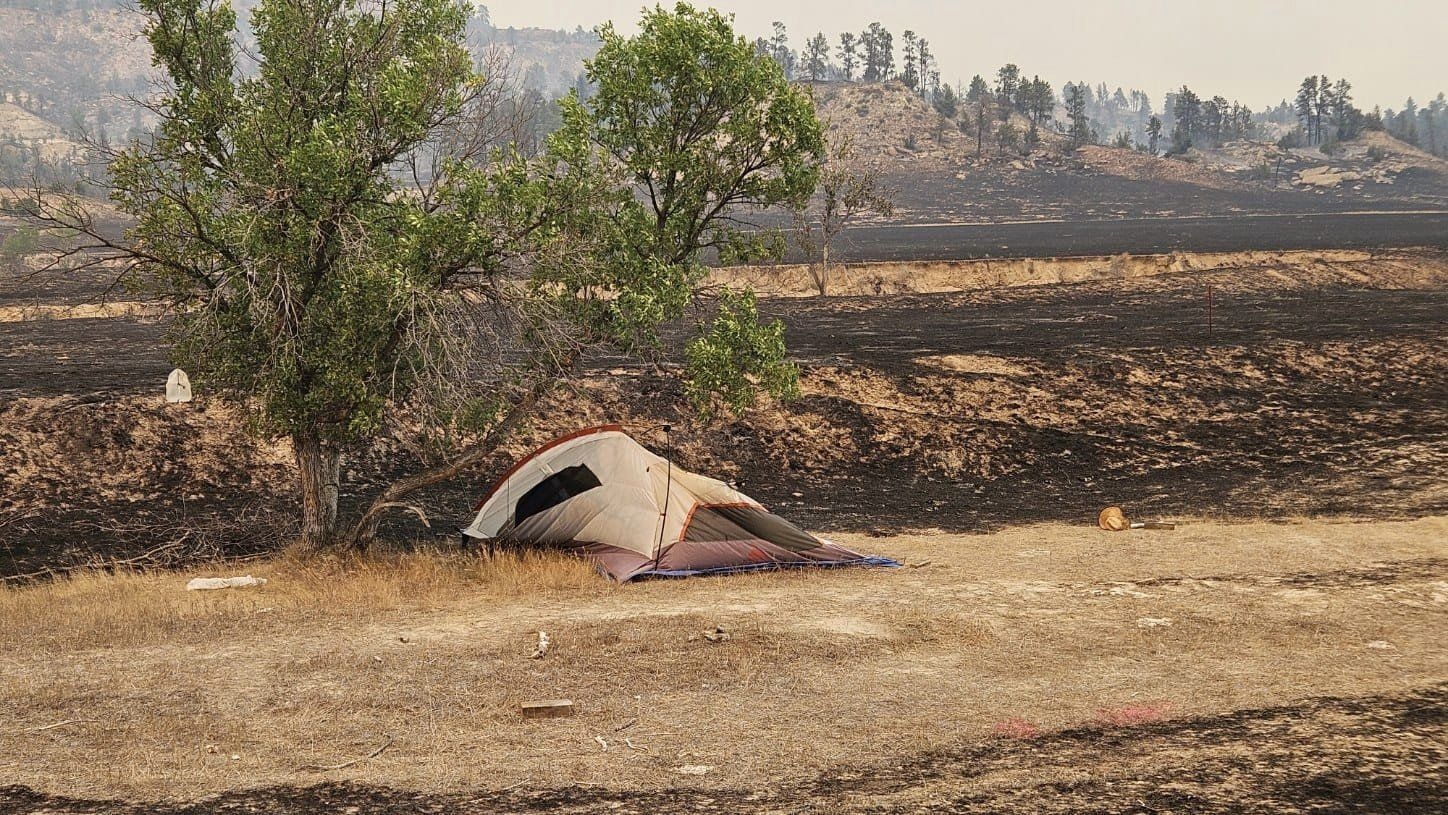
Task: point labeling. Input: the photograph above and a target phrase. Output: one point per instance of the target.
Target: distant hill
(73, 67)
(77, 61)
(931, 163)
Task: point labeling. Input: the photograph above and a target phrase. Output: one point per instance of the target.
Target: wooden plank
(547, 708)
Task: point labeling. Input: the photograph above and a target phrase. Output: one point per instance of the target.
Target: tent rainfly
(602, 494)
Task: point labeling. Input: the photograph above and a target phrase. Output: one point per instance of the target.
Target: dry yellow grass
(169, 693)
(80, 311)
(1397, 269)
(98, 609)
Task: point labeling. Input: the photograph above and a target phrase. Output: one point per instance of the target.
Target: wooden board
(547, 708)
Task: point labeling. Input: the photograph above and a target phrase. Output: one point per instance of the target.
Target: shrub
(23, 241)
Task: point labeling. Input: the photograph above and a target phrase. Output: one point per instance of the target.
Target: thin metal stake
(668, 490)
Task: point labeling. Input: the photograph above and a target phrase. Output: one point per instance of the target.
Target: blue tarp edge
(868, 560)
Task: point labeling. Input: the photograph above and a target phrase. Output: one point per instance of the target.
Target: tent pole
(668, 490)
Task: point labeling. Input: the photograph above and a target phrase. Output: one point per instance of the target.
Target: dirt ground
(1278, 652)
(1285, 667)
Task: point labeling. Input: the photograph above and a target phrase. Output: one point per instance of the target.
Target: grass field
(1026, 636)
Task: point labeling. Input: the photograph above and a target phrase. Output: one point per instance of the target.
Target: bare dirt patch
(1037, 624)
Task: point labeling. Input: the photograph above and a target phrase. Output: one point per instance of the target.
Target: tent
(602, 494)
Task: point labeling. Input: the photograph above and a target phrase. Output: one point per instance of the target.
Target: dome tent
(602, 494)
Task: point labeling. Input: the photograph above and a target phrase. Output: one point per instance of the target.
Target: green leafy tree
(340, 303)
(725, 132)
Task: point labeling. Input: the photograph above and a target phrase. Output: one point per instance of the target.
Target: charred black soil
(964, 411)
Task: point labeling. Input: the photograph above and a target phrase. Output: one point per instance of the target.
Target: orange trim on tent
(587, 431)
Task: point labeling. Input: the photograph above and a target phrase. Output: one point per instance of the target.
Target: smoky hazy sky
(1255, 51)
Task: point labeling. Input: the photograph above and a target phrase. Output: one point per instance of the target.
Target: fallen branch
(323, 768)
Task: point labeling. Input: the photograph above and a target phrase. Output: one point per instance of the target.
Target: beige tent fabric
(604, 494)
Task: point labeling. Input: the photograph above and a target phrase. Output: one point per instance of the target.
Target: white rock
(178, 387)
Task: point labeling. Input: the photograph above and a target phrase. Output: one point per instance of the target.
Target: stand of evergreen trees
(1425, 127)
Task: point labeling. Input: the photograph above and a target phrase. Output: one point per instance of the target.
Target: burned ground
(1316, 391)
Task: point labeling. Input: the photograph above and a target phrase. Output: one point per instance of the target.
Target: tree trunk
(318, 468)
(824, 276)
(364, 530)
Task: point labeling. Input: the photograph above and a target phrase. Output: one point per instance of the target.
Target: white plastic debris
(1381, 645)
(1152, 622)
(178, 387)
(209, 583)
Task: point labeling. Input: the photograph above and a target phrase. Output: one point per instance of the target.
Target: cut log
(547, 708)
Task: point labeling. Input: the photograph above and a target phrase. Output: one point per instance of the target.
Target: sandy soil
(991, 667)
